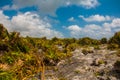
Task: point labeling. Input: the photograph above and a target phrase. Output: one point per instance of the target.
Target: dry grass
(4, 66)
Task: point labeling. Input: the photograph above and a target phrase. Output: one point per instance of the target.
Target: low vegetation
(23, 57)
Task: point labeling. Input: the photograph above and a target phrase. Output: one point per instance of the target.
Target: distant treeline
(12, 41)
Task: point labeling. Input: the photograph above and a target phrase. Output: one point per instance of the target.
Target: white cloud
(29, 24)
(8, 7)
(50, 6)
(88, 3)
(91, 30)
(96, 18)
(106, 27)
(74, 28)
(116, 22)
(96, 31)
(114, 25)
(92, 27)
(71, 19)
(5, 20)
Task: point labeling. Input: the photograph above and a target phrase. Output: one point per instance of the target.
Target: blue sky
(61, 18)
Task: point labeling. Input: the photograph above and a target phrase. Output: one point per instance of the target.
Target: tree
(85, 41)
(54, 39)
(103, 40)
(115, 39)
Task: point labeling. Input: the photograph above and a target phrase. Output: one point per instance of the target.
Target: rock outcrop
(98, 65)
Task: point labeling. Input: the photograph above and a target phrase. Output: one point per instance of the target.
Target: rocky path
(97, 65)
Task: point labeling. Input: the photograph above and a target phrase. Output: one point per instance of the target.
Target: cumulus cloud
(29, 24)
(115, 22)
(91, 30)
(5, 20)
(106, 29)
(114, 25)
(74, 30)
(50, 6)
(96, 18)
(96, 31)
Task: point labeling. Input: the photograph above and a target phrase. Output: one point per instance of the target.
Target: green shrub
(115, 39)
(97, 47)
(117, 65)
(3, 32)
(101, 62)
(86, 51)
(23, 48)
(72, 47)
(10, 57)
(31, 41)
(103, 40)
(98, 73)
(62, 78)
(113, 46)
(4, 75)
(9, 60)
(118, 53)
(4, 46)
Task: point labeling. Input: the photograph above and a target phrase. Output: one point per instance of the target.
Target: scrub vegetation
(21, 58)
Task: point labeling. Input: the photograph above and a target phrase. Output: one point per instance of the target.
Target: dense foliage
(114, 42)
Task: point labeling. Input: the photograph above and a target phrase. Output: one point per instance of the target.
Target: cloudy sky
(61, 18)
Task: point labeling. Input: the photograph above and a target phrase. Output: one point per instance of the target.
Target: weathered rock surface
(98, 65)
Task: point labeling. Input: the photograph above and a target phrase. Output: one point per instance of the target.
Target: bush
(115, 39)
(72, 47)
(101, 62)
(4, 46)
(7, 59)
(31, 41)
(118, 53)
(86, 51)
(117, 65)
(23, 48)
(85, 41)
(113, 46)
(103, 40)
(3, 32)
(4, 75)
(10, 57)
(96, 47)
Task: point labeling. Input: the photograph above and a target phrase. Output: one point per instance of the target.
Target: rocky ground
(94, 65)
